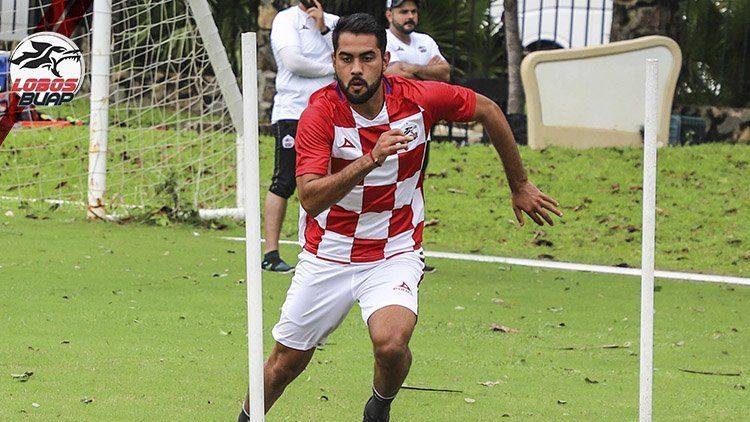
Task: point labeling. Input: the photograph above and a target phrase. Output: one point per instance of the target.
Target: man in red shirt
(360, 147)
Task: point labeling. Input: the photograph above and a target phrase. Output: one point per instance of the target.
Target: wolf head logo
(46, 56)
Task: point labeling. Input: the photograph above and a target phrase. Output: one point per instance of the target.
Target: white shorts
(322, 293)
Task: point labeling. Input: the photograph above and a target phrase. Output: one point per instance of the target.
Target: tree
(638, 18)
(515, 55)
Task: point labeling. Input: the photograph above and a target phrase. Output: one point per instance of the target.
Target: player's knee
(283, 186)
(392, 353)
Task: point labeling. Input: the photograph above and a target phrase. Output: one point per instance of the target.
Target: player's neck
(404, 38)
(370, 109)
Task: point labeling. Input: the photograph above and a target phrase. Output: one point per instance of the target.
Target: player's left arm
(526, 197)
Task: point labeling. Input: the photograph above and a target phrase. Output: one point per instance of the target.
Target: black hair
(360, 23)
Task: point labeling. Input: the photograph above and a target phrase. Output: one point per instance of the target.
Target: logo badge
(422, 49)
(287, 142)
(46, 69)
(403, 287)
(347, 144)
(411, 129)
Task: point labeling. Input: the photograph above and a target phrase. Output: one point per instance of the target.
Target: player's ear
(386, 59)
(388, 15)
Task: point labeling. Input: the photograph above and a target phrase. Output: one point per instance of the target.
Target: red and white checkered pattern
(384, 214)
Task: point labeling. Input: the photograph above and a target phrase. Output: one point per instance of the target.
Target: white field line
(600, 269)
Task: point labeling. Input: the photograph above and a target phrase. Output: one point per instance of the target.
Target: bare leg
(281, 368)
(390, 330)
(275, 208)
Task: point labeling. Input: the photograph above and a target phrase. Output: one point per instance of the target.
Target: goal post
(99, 122)
(650, 130)
(157, 124)
(252, 228)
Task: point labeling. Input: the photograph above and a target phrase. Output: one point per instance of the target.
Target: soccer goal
(158, 122)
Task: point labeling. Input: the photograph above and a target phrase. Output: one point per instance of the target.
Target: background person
(302, 48)
(414, 55)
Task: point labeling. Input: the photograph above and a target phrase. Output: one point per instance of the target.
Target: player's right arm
(318, 192)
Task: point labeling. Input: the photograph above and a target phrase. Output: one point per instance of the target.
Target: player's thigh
(393, 283)
(317, 301)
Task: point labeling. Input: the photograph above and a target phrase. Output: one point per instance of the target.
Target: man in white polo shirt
(414, 55)
(302, 46)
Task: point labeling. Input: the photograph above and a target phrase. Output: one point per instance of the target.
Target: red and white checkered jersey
(384, 214)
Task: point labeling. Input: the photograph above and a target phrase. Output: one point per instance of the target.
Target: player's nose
(356, 68)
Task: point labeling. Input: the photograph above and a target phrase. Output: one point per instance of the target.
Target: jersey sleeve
(283, 32)
(435, 49)
(313, 141)
(445, 101)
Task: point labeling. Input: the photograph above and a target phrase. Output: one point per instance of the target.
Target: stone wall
(722, 124)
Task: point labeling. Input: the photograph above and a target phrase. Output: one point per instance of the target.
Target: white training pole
(252, 226)
(648, 240)
(227, 84)
(98, 130)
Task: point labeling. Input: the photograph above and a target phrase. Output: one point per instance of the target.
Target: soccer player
(360, 147)
(414, 55)
(302, 48)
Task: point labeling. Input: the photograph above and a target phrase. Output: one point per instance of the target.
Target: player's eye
(346, 59)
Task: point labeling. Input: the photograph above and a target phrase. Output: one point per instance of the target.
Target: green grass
(701, 194)
(149, 323)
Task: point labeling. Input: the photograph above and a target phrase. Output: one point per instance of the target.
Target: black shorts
(283, 182)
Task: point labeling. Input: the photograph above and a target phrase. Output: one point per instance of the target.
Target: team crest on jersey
(411, 129)
(46, 69)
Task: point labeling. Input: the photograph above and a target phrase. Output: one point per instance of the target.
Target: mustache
(360, 80)
(410, 22)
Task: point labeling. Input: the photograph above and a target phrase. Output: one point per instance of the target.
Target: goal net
(156, 124)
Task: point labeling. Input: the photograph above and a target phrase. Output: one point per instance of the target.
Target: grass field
(135, 322)
(130, 322)
(701, 195)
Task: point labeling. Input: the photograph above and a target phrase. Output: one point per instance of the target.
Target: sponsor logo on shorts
(287, 141)
(403, 287)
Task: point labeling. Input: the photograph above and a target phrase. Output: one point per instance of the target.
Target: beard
(308, 4)
(362, 98)
(402, 29)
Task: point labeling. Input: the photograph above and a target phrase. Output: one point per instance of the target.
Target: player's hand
(389, 143)
(530, 200)
(317, 14)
